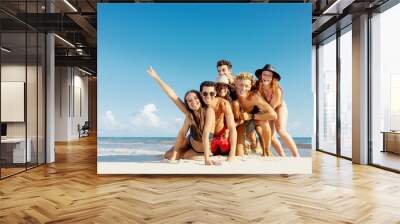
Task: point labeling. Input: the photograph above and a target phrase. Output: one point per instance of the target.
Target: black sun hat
(268, 67)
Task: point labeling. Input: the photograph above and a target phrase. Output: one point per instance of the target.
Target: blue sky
(183, 42)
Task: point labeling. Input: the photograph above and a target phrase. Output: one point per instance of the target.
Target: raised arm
(207, 135)
(168, 90)
(266, 111)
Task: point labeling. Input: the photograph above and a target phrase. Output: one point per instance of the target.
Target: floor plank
(70, 191)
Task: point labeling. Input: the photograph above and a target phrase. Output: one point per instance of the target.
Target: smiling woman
(209, 119)
(199, 120)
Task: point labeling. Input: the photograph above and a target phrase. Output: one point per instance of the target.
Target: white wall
(80, 110)
(61, 103)
(71, 93)
(14, 73)
(17, 73)
(12, 100)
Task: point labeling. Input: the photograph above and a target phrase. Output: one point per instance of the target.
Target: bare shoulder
(221, 103)
(226, 105)
(224, 101)
(255, 96)
(278, 90)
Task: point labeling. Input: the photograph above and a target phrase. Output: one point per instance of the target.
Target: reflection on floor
(387, 159)
(10, 169)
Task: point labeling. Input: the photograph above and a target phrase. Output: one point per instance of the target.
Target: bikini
(269, 98)
(195, 135)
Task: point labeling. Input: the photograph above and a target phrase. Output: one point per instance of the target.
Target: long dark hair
(196, 121)
(198, 96)
(229, 92)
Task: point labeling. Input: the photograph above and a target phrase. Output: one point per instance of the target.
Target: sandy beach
(144, 155)
(252, 164)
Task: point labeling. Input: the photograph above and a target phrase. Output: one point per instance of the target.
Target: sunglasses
(205, 94)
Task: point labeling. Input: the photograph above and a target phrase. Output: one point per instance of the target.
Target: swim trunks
(219, 144)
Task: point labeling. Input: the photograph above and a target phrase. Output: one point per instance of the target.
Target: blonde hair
(246, 76)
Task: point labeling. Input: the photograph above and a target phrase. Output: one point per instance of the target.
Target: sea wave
(136, 143)
(128, 151)
(121, 143)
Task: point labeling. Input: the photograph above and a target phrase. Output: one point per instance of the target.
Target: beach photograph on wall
(204, 89)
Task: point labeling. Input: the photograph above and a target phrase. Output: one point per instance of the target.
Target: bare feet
(212, 162)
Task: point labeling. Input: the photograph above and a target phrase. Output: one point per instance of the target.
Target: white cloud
(109, 121)
(147, 117)
(146, 122)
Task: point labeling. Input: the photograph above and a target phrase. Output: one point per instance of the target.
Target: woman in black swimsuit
(199, 119)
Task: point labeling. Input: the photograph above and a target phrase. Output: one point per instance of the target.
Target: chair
(84, 130)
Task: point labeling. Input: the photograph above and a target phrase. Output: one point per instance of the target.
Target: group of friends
(223, 114)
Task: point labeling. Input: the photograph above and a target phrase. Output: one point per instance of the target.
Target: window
(327, 95)
(385, 89)
(22, 78)
(346, 95)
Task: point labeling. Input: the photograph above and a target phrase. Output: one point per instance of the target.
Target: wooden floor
(387, 159)
(5, 172)
(70, 191)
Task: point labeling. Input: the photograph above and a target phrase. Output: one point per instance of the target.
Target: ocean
(125, 149)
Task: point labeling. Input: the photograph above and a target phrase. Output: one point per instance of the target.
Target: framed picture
(204, 89)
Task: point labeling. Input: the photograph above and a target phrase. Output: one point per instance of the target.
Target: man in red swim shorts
(220, 143)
